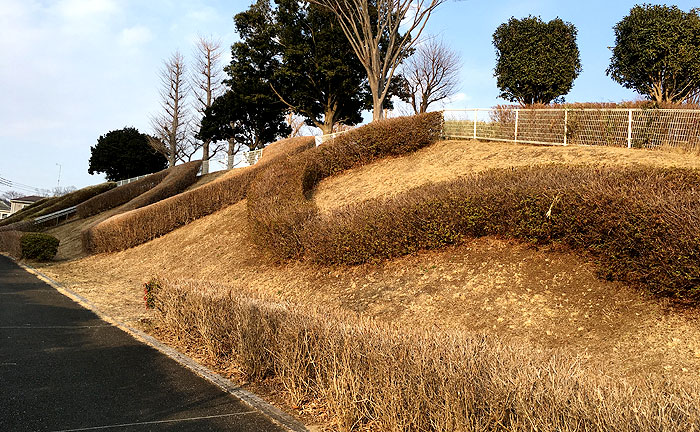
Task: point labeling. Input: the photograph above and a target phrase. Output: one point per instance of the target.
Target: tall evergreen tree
(319, 76)
(255, 109)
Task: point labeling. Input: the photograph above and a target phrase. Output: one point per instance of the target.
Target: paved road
(64, 369)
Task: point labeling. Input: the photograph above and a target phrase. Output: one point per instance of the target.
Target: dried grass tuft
(372, 375)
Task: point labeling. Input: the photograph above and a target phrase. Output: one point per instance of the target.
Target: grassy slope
(551, 299)
(448, 160)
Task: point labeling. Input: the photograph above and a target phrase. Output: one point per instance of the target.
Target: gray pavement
(64, 369)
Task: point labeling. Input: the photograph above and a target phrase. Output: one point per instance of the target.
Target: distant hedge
(120, 195)
(10, 243)
(139, 226)
(54, 204)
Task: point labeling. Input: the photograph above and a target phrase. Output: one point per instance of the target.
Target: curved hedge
(139, 226)
(278, 200)
(641, 225)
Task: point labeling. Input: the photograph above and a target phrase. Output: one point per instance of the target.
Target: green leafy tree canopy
(124, 153)
(319, 76)
(657, 52)
(536, 61)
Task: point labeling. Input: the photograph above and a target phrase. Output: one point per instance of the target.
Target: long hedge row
(640, 224)
(369, 375)
(146, 223)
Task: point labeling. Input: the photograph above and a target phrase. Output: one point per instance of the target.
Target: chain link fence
(617, 127)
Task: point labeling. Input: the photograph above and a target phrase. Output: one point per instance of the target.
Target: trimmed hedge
(278, 201)
(39, 246)
(642, 225)
(10, 243)
(120, 195)
(139, 226)
(371, 375)
(54, 204)
(178, 178)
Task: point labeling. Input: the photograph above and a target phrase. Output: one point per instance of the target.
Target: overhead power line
(15, 185)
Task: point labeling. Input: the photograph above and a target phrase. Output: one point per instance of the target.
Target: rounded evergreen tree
(124, 153)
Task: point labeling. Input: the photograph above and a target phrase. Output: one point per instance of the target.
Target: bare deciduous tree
(431, 75)
(207, 85)
(376, 39)
(171, 126)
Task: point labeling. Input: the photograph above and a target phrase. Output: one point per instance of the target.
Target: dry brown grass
(449, 160)
(543, 298)
(380, 376)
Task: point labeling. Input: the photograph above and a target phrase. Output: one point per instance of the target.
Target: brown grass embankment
(378, 376)
(50, 205)
(139, 226)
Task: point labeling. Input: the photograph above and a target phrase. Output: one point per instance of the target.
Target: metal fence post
(517, 114)
(566, 122)
(476, 112)
(629, 130)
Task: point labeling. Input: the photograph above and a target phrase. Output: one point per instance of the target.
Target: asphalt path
(64, 369)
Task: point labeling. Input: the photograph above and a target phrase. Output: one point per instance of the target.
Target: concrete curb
(251, 399)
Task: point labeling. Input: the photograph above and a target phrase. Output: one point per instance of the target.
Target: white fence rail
(617, 127)
(130, 180)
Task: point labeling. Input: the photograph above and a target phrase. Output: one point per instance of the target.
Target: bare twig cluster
(374, 31)
(174, 127)
(431, 74)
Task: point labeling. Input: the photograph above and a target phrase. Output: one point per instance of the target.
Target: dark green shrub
(39, 246)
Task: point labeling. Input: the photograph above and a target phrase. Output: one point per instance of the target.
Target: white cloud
(80, 10)
(133, 37)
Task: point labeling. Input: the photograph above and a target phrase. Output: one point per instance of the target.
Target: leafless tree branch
(432, 74)
(367, 39)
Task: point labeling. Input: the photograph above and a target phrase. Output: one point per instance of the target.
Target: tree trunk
(231, 145)
(328, 119)
(378, 111)
(205, 157)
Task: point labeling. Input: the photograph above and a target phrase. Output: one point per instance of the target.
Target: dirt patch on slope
(548, 298)
(449, 160)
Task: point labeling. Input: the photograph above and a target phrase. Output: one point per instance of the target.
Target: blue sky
(72, 70)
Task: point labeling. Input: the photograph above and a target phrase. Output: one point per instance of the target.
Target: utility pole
(58, 185)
